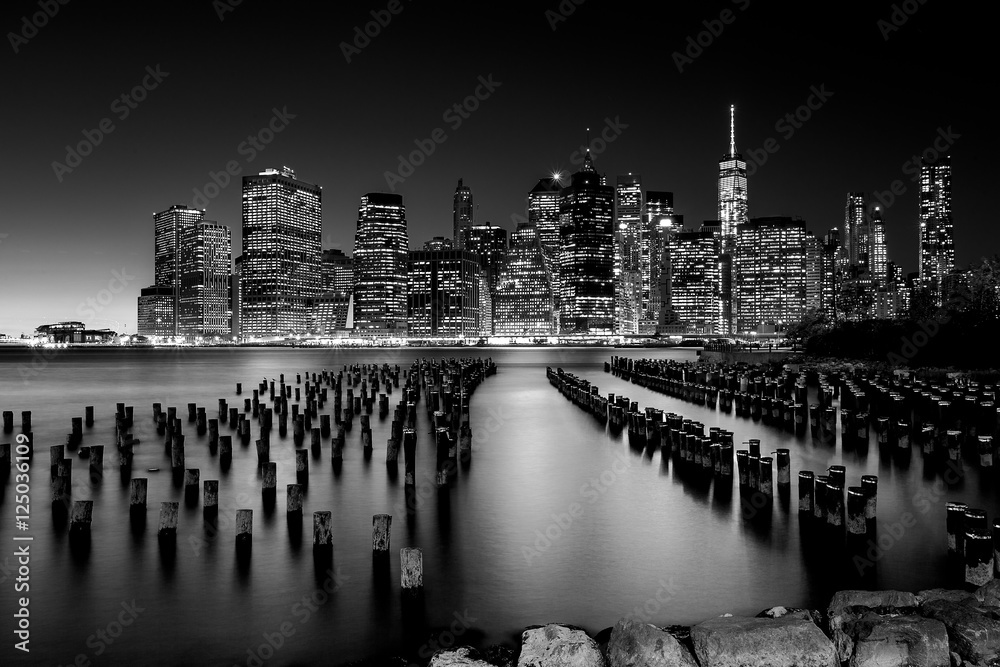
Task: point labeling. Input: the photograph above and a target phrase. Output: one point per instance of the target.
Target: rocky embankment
(939, 628)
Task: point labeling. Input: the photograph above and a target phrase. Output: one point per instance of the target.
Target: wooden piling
(293, 503)
(167, 529)
(210, 497)
(244, 530)
(955, 525)
(323, 530)
(8, 421)
(81, 518)
(380, 533)
(269, 484)
(784, 468)
(834, 503)
(25, 421)
(301, 465)
(409, 454)
(177, 452)
(856, 504)
(137, 497)
(411, 570)
(978, 558)
(97, 461)
(806, 487)
(869, 484)
(225, 449)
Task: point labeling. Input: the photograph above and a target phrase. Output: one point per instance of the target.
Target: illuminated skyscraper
(168, 227)
(489, 242)
(523, 305)
(733, 206)
(878, 256)
(855, 229)
(628, 254)
(695, 280)
(338, 271)
(439, 243)
(204, 297)
(156, 311)
(586, 256)
(462, 211)
(733, 211)
(444, 289)
(381, 245)
(937, 242)
(330, 310)
(657, 211)
(770, 269)
(282, 253)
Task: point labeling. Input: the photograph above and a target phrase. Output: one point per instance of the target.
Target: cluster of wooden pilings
(445, 385)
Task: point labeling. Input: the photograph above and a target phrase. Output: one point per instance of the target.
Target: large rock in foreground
(974, 635)
(737, 641)
(900, 641)
(462, 656)
(558, 646)
(846, 607)
(636, 644)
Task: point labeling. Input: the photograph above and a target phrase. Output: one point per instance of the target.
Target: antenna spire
(732, 129)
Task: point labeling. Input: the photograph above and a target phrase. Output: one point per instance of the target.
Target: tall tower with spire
(733, 211)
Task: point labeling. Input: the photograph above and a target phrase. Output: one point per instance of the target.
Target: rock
(848, 606)
(636, 644)
(463, 656)
(989, 593)
(947, 594)
(558, 646)
(974, 635)
(900, 641)
(739, 640)
(781, 612)
(500, 655)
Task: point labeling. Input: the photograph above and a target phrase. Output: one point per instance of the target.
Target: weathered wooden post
(380, 534)
(955, 525)
(244, 532)
(856, 504)
(819, 497)
(80, 519)
(137, 498)
(294, 501)
(225, 450)
(302, 466)
(263, 450)
(869, 484)
(834, 503)
(177, 452)
(96, 463)
(409, 454)
(978, 558)
(192, 480)
(806, 486)
(269, 485)
(323, 533)
(784, 469)
(8, 421)
(26, 421)
(411, 570)
(210, 498)
(56, 454)
(167, 530)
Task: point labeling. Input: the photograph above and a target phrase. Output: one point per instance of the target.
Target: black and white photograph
(556, 333)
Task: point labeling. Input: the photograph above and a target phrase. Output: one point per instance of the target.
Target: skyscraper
(657, 210)
(628, 254)
(523, 305)
(462, 211)
(543, 212)
(204, 297)
(156, 311)
(381, 245)
(586, 255)
(770, 269)
(878, 255)
(168, 227)
(733, 211)
(330, 309)
(733, 205)
(695, 280)
(444, 288)
(855, 237)
(282, 253)
(937, 243)
(489, 243)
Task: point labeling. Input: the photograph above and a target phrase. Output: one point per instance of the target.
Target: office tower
(733, 205)
(282, 253)
(205, 293)
(235, 299)
(830, 251)
(156, 311)
(657, 209)
(695, 280)
(814, 272)
(855, 229)
(168, 226)
(337, 271)
(462, 211)
(770, 269)
(331, 308)
(523, 305)
(543, 213)
(628, 254)
(381, 245)
(444, 289)
(489, 243)
(878, 251)
(733, 211)
(586, 254)
(937, 243)
(439, 243)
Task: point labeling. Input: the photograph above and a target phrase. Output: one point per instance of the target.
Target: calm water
(627, 534)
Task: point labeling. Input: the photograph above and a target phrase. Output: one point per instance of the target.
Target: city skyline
(72, 236)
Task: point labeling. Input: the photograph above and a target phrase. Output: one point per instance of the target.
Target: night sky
(86, 233)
